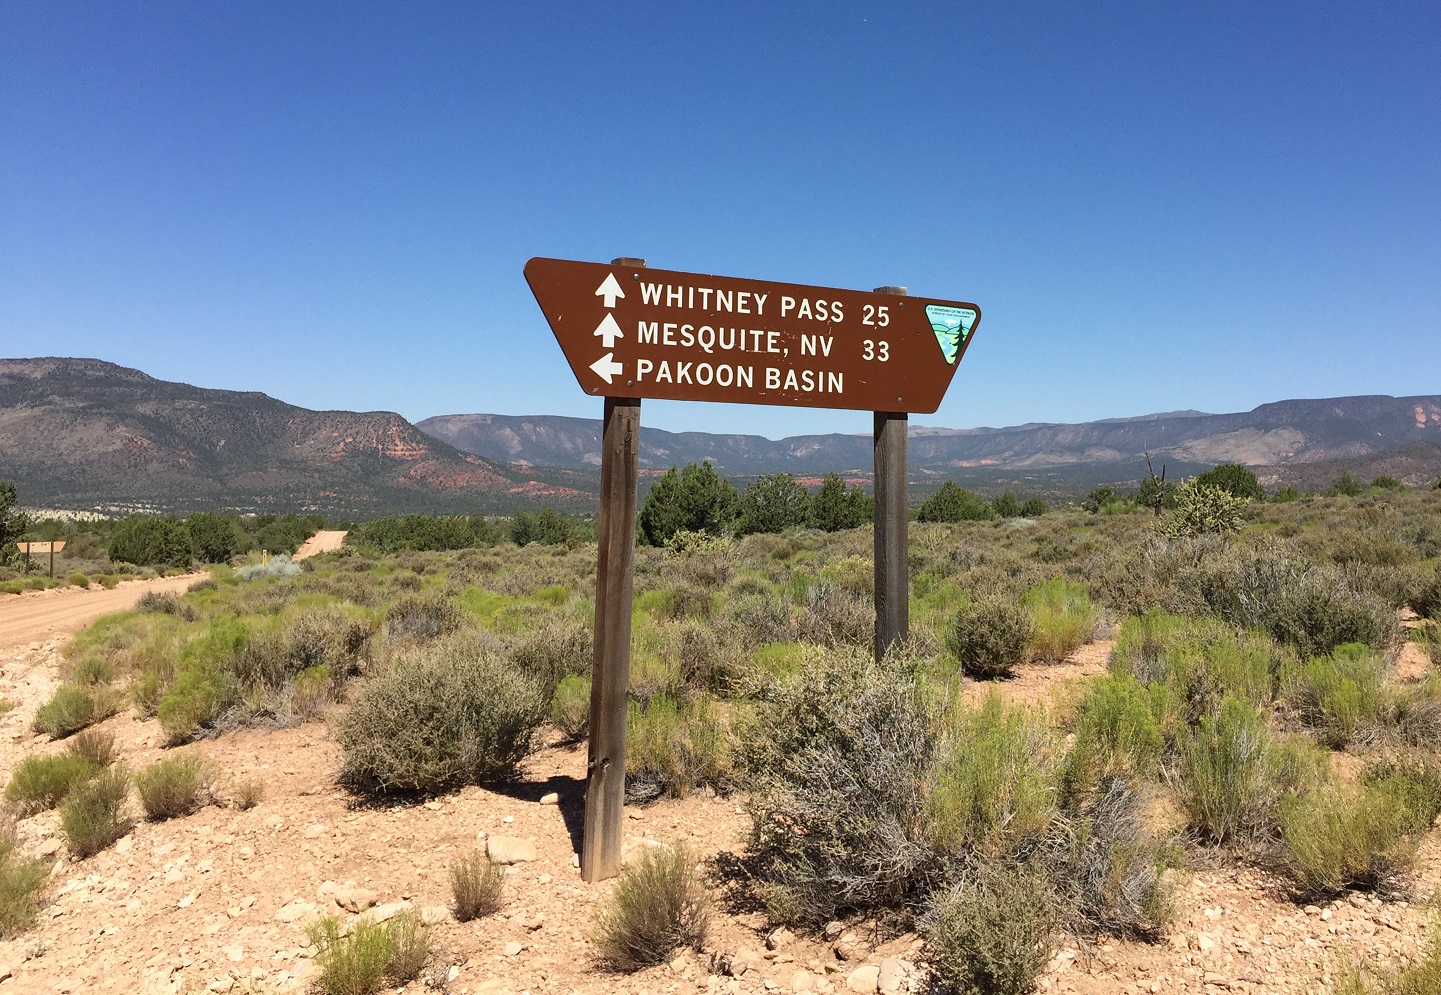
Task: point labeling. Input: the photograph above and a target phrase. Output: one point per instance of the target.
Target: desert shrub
(92, 816)
(1107, 867)
(1336, 695)
(558, 646)
(1117, 735)
(278, 566)
(675, 746)
(994, 782)
(835, 617)
(158, 603)
(570, 707)
(833, 507)
(1232, 773)
(422, 618)
(200, 693)
(42, 781)
(1425, 597)
(1200, 660)
(175, 786)
(410, 945)
(695, 498)
(991, 933)
(772, 502)
(21, 886)
(441, 717)
(95, 747)
(837, 804)
(73, 707)
(659, 903)
(1335, 838)
(78, 580)
(353, 962)
(1063, 618)
(476, 883)
(989, 636)
(92, 670)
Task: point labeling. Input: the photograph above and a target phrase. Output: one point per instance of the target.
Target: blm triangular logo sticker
(952, 326)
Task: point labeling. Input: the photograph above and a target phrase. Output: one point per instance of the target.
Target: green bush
(92, 816)
(1336, 695)
(476, 884)
(1200, 660)
(838, 766)
(1233, 773)
(151, 542)
(198, 696)
(78, 580)
(991, 934)
(989, 636)
(422, 618)
(833, 507)
(953, 503)
(658, 904)
(43, 781)
(1335, 839)
(675, 746)
(1234, 479)
(1063, 616)
(73, 707)
(570, 707)
(442, 716)
(1117, 735)
(359, 960)
(994, 783)
(175, 786)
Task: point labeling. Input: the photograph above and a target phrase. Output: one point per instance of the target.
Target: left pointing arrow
(608, 331)
(605, 367)
(610, 290)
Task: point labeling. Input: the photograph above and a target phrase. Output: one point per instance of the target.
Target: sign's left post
(600, 851)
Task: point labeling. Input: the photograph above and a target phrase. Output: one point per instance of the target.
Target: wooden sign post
(41, 547)
(630, 332)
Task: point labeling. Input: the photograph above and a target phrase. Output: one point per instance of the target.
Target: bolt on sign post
(629, 332)
(39, 548)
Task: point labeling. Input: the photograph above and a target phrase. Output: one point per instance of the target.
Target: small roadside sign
(636, 332)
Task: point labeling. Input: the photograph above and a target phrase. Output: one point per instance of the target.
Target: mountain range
(83, 433)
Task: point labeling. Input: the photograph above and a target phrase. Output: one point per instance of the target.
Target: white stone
(509, 849)
(863, 978)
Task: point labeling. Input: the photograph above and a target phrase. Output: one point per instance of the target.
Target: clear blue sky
(1157, 206)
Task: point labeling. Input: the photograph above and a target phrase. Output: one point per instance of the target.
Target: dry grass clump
(248, 793)
(442, 716)
(42, 781)
(1337, 695)
(93, 815)
(659, 903)
(175, 786)
(677, 744)
(95, 746)
(989, 636)
(570, 707)
(476, 884)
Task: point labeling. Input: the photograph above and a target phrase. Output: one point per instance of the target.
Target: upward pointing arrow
(610, 290)
(608, 331)
(605, 367)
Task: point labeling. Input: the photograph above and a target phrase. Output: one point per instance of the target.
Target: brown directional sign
(630, 332)
(34, 548)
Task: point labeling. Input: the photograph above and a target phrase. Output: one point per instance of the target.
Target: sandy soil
(218, 901)
(324, 541)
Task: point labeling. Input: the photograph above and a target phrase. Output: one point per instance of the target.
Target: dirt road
(39, 615)
(324, 541)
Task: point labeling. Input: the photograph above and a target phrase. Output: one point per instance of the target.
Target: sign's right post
(891, 537)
